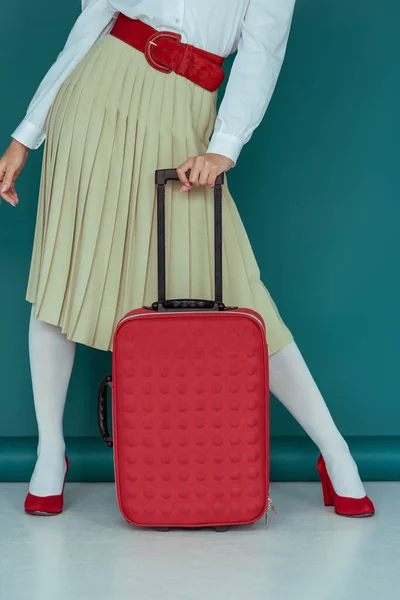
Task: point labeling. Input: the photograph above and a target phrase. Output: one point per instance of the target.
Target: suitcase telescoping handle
(162, 177)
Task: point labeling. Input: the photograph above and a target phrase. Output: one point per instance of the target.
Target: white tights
(292, 383)
(52, 358)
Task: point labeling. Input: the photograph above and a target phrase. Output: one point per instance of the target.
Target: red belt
(165, 52)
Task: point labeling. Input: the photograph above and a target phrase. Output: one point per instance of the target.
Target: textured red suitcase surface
(190, 418)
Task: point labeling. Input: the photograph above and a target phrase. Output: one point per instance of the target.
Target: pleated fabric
(115, 121)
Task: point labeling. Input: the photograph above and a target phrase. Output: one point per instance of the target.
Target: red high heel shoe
(46, 506)
(345, 507)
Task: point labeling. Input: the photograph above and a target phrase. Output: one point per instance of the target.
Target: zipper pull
(271, 506)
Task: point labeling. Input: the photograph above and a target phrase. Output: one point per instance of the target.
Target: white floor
(307, 552)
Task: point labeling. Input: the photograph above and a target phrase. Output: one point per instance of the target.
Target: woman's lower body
(113, 123)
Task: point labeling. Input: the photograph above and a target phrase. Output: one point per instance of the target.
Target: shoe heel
(326, 492)
(47, 505)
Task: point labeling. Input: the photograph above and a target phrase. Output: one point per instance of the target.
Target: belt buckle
(152, 41)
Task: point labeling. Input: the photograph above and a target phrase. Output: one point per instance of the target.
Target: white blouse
(258, 29)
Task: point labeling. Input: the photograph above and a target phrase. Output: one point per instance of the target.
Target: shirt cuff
(227, 145)
(29, 135)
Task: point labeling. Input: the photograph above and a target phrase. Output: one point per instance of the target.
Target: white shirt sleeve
(254, 74)
(95, 20)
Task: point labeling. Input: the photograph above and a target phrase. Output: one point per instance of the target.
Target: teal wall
(318, 191)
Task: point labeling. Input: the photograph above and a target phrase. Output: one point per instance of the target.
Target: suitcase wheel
(163, 529)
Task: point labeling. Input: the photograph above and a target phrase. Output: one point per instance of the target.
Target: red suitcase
(190, 405)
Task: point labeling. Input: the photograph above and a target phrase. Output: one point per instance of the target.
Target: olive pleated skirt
(116, 120)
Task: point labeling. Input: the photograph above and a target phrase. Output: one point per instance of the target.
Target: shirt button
(177, 20)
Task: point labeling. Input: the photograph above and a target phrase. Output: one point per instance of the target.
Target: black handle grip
(165, 175)
(161, 177)
(102, 418)
(188, 305)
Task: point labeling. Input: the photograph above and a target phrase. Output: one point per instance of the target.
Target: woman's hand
(204, 170)
(11, 165)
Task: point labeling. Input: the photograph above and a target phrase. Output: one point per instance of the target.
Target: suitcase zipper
(190, 313)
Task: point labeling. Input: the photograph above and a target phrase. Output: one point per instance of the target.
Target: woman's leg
(292, 383)
(51, 358)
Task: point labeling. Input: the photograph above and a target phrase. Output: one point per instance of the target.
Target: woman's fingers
(204, 170)
(212, 176)
(11, 165)
(197, 168)
(12, 192)
(7, 180)
(9, 198)
(182, 170)
(7, 187)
